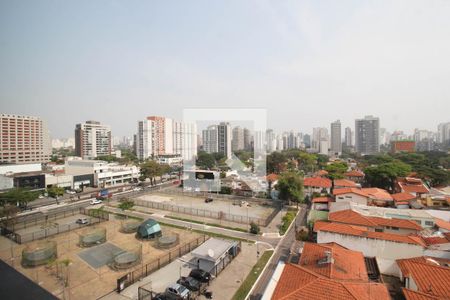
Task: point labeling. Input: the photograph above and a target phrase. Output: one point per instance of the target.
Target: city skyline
(296, 60)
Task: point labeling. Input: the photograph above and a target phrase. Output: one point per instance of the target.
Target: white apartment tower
(348, 137)
(336, 139)
(367, 135)
(237, 142)
(24, 139)
(92, 139)
(163, 136)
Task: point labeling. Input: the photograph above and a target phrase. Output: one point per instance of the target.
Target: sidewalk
(272, 230)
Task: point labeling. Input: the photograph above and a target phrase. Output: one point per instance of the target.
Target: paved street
(282, 253)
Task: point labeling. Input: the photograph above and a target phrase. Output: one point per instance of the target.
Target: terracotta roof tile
(322, 200)
(403, 197)
(298, 283)
(435, 240)
(373, 193)
(317, 182)
(414, 295)
(429, 277)
(442, 224)
(361, 231)
(344, 183)
(346, 264)
(349, 216)
(354, 173)
(272, 177)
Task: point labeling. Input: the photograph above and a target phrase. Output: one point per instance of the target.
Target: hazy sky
(308, 62)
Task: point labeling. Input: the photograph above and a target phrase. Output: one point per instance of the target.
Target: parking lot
(234, 207)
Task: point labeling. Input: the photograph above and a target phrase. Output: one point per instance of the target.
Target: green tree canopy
(55, 191)
(205, 160)
(290, 186)
(19, 196)
(336, 170)
(384, 175)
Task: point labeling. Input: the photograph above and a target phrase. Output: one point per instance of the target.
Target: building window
(378, 230)
(429, 223)
(394, 228)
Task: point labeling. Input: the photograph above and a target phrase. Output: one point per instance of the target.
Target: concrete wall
(386, 252)
(6, 182)
(350, 197)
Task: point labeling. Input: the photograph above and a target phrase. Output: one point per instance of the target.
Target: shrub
(254, 228)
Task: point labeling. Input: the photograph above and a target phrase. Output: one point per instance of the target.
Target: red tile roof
(272, 177)
(298, 283)
(322, 200)
(372, 193)
(321, 173)
(412, 185)
(317, 182)
(442, 224)
(414, 295)
(362, 231)
(401, 197)
(354, 173)
(344, 183)
(349, 216)
(346, 264)
(435, 240)
(429, 277)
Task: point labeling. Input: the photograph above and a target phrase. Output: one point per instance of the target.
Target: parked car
(71, 192)
(177, 291)
(96, 201)
(200, 275)
(82, 221)
(190, 283)
(137, 189)
(41, 196)
(209, 199)
(160, 296)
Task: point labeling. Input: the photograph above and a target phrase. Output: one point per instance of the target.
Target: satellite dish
(210, 252)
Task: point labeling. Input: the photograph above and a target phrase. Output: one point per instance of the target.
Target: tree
(384, 175)
(107, 158)
(205, 160)
(336, 170)
(55, 191)
(125, 204)
(18, 196)
(290, 186)
(276, 162)
(254, 228)
(151, 169)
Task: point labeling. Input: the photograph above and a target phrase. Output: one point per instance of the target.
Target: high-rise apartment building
(92, 139)
(425, 140)
(158, 136)
(24, 139)
(320, 140)
(367, 135)
(210, 139)
(348, 137)
(237, 142)
(336, 139)
(443, 134)
(247, 139)
(224, 139)
(217, 138)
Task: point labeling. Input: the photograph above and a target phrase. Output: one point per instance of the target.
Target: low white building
(59, 180)
(105, 174)
(387, 248)
(171, 160)
(19, 168)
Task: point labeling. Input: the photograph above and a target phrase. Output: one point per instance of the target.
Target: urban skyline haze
(307, 63)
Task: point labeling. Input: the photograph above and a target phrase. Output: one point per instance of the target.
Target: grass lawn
(245, 287)
(209, 224)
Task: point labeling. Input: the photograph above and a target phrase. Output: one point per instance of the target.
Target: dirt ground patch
(85, 282)
(218, 205)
